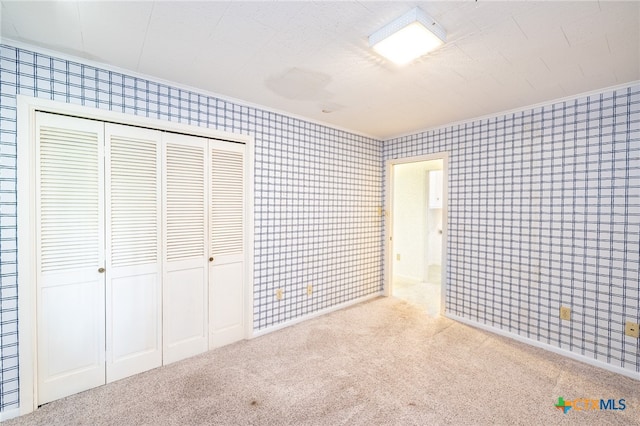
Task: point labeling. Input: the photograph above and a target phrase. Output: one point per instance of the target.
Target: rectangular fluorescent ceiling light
(408, 37)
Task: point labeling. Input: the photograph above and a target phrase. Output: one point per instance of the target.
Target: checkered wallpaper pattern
(316, 200)
(544, 211)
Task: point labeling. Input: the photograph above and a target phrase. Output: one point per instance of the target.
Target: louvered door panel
(185, 278)
(134, 262)
(185, 201)
(226, 225)
(69, 198)
(227, 202)
(134, 194)
(70, 228)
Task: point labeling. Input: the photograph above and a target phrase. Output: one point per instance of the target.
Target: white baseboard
(9, 414)
(271, 329)
(578, 357)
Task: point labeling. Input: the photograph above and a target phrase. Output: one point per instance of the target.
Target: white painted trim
(511, 111)
(249, 241)
(388, 258)
(26, 221)
(316, 314)
(129, 73)
(9, 414)
(56, 107)
(578, 357)
(388, 230)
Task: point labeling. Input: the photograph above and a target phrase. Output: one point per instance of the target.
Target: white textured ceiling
(312, 58)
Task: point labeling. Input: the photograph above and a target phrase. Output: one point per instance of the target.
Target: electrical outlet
(279, 294)
(397, 256)
(632, 329)
(565, 313)
(309, 290)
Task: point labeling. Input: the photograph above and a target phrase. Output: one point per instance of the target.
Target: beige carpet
(379, 363)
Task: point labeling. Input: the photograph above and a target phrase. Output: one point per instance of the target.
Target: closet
(140, 249)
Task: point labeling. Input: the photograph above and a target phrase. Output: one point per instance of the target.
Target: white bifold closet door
(134, 250)
(185, 268)
(226, 243)
(140, 250)
(70, 278)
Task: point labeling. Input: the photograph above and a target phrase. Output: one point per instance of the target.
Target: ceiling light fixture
(408, 37)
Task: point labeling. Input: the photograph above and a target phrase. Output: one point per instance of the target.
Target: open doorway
(417, 231)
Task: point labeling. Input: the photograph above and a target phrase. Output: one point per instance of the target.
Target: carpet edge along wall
(544, 212)
(317, 191)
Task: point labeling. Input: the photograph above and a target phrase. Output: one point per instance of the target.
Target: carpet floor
(383, 362)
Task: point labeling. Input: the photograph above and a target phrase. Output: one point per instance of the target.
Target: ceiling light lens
(409, 43)
(408, 37)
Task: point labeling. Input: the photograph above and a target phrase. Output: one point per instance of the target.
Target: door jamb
(388, 246)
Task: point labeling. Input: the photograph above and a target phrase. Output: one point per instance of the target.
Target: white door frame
(26, 219)
(388, 276)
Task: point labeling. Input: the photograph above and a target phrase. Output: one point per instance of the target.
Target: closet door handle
(211, 259)
(101, 270)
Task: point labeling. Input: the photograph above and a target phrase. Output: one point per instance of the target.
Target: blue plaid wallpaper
(316, 201)
(544, 211)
